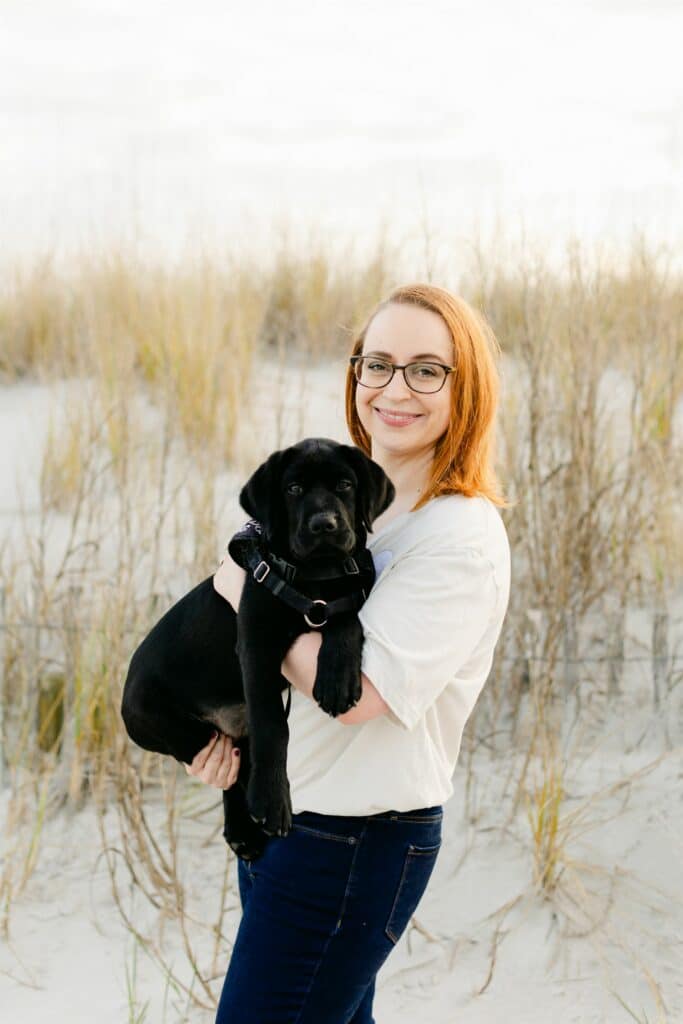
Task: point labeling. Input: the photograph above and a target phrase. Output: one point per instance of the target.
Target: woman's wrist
(300, 663)
(300, 666)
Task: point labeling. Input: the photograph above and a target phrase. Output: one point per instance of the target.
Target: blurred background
(200, 204)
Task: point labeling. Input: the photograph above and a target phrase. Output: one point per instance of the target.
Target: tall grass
(156, 364)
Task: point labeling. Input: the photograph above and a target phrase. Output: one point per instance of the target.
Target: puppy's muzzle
(323, 523)
(328, 529)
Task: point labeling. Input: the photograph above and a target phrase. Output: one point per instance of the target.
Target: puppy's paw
(248, 850)
(243, 835)
(270, 805)
(337, 694)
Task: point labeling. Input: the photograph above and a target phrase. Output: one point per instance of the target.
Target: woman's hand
(217, 764)
(228, 581)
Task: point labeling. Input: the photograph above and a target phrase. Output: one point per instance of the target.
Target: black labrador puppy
(203, 667)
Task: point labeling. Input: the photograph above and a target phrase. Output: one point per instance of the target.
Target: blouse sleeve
(422, 621)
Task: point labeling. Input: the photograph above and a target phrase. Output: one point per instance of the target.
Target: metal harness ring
(316, 625)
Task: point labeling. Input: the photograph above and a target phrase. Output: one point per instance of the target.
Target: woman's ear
(375, 490)
(261, 497)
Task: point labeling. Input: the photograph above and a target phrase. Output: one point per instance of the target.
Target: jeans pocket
(319, 834)
(325, 826)
(417, 869)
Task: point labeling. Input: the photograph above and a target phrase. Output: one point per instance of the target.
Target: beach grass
(155, 363)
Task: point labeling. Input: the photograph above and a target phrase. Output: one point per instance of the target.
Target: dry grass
(157, 360)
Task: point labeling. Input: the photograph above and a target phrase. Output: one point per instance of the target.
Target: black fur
(202, 667)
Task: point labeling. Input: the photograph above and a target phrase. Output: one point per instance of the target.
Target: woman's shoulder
(449, 525)
(456, 524)
(463, 522)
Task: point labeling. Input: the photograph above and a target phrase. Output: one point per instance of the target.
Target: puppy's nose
(323, 522)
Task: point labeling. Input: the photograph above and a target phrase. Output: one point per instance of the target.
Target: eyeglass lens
(375, 373)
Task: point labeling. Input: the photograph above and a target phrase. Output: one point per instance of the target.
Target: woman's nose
(397, 385)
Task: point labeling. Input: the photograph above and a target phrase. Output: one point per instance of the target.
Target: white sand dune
(69, 955)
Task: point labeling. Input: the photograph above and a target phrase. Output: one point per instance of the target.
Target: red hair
(464, 456)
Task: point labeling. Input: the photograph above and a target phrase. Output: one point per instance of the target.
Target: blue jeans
(322, 908)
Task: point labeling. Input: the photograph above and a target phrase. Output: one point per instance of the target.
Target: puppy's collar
(275, 573)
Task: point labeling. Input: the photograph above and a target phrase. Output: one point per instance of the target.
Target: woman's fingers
(217, 764)
(206, 752)
(212, 766)
(200, 758)
(227, 770)
(234, 767)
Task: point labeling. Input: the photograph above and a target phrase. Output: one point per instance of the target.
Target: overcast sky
(179, 120)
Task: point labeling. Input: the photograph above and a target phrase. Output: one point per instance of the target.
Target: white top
(430, 625)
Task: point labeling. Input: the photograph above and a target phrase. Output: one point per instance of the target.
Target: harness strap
(247, 549)
(264, 573)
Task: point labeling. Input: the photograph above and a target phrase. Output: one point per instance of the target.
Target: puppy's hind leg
(153, 721)
(242, 834)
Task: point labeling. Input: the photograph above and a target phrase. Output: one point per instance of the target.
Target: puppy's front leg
(337, 683)
(268, 796)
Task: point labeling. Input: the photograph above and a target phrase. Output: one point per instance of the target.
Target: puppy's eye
(343, 485)
(294, 489)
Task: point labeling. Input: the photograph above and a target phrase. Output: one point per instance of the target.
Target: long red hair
(464, 456)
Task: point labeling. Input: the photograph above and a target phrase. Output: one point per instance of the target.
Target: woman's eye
(377, 367)
(294, 489)
(426, 371)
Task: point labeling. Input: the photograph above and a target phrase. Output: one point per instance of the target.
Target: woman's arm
(300, 663)
(228, 581)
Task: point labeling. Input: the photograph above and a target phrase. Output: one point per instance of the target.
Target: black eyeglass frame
(353, 360)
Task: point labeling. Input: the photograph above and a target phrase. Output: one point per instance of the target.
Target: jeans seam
(412, 851)
(332, 934)
(348, 881)
(419, 821)
(424, 851)
(387, 928)
(324, 835)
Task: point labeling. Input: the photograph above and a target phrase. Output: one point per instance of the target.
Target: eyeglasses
(425, 378)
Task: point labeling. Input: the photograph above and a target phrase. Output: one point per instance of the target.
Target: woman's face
(402, 334)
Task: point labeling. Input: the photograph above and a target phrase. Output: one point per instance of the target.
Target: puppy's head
(317, 499)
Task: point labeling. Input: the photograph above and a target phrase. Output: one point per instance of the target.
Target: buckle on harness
(260, 579)
(316, 625)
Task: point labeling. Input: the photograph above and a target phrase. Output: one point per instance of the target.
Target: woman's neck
(409, 475)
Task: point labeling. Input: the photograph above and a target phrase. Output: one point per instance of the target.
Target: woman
(324, 906)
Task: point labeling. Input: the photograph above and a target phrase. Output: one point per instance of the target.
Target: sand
(69, 957)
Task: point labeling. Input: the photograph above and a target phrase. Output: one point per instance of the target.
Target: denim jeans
(322, 909)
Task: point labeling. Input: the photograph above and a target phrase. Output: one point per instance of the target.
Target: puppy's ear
(375, 490)
(261, 496)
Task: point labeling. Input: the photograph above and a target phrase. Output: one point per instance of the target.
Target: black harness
(248, 549)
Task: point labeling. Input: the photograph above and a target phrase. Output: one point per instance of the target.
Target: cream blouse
(430, 624)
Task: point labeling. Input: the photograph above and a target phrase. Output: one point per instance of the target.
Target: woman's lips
(397, 419)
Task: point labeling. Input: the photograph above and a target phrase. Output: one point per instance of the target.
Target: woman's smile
(396, 419)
